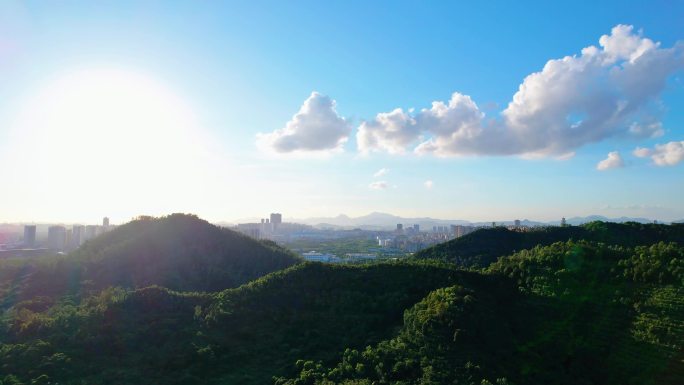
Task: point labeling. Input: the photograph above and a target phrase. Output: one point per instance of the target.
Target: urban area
(322, 243)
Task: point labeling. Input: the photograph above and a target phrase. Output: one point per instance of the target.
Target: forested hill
(584, 313)
(603, 310)
(482, 247)
(565, 314)
(245, 335)
(179, 252)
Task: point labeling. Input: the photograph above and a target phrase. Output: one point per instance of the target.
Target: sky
(479, 111)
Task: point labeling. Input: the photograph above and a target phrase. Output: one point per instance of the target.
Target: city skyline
(375, 218)
(449, 111)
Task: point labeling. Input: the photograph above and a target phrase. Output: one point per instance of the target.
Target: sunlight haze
(230, 112)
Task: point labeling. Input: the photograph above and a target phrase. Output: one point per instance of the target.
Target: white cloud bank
(607, 91)
(428, 184)
(317, 127)
(614, 160)
(379, 185)
(668, 154)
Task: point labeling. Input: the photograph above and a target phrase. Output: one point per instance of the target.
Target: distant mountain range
(384, 221)
(376, 220)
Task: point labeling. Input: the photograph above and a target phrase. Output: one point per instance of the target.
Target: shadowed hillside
(179, 252)
(583, 314)
(238, 336)
(484, 246)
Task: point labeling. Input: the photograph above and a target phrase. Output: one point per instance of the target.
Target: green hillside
(237, 336)
(179, 252)
(606, 307)
(584, 314)
(484, 246)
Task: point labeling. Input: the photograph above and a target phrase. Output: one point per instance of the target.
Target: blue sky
(222, 73)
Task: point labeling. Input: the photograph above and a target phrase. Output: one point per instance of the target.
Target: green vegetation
(243, 335)
(579, 316)
(604, 306)
(337, 247)
(179, 252)
(484, 246)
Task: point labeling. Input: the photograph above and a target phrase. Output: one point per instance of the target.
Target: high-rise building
(68, 239)
(253, 230)
(462, 230)
(77, 236)
(254, 233)
(517, 223)
(276, 220)
(416, 228)
(90, 232)
(563, 222)
(57, 238)
(30, 236)
(105, 222)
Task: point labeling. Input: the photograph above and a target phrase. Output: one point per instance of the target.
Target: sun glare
(109, 135)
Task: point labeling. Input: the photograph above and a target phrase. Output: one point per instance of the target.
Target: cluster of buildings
(404, 239)
(411, 239)
(63, 239)
(266, 229)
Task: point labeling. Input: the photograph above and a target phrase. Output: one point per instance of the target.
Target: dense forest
(484, 246)
(584, 313)
(179, 252)
(176, 300)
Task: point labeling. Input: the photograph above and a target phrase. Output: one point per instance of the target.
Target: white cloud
(653, 129)
(641, 152)
(566, 156)
(428, 184)
(381, 172)
(614, 160)
(317, 127)
(668, 154)
(606, 91)
(455, 127)
(390, 131)
(379, 185)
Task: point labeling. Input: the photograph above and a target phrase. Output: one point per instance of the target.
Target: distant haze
(384, 221)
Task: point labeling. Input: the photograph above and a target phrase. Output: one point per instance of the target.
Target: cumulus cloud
(389, 131)
(317, 127)
(668, 154)
(606, 91)
(379, 185)
(381, 172)
(641, 152)
(428, 184)
(614, 160)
